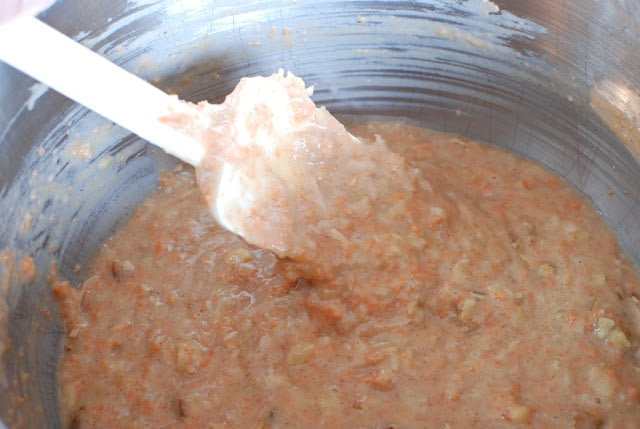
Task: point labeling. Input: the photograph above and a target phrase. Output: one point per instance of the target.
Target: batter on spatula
(287, 176)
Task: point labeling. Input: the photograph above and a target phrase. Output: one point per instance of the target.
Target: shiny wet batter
(486, 294)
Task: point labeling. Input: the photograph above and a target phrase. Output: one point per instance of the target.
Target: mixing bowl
(551, 80)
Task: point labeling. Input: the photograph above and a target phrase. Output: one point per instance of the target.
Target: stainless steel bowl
(551, 80)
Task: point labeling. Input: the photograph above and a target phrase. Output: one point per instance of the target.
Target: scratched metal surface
(516, 74)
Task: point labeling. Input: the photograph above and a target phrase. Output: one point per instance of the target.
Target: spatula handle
(77, 72)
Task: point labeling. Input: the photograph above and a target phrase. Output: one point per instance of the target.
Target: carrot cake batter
(475, 290)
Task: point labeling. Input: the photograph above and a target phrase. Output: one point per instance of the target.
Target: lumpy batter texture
(501, 298)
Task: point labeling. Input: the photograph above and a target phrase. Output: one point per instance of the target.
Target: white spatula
(274, 169)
